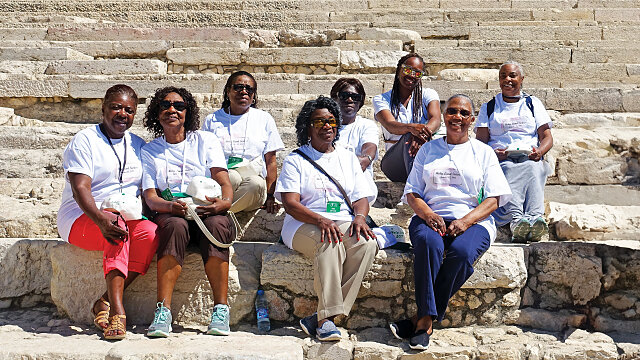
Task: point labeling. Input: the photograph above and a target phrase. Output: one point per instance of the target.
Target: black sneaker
(402, 329)
(420, 340)
(309, 324)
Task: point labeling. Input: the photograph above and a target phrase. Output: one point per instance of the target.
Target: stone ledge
(328, 55)
(107, 67)
(41, 54)
(491, 296)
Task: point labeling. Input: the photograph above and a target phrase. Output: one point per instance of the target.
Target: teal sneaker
(520, 231)
(538, 229)
(219, 324)
(161, 325)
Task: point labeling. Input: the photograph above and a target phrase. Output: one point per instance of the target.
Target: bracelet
(363, 216)
(226, 199)
(370, 158)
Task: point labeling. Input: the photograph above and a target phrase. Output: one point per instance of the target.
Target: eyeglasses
(248, 88)
(409, 71)
(319, 123)
(344, 95)
(463, 113)
(178, 105)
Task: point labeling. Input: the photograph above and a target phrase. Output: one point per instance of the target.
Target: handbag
(370, 223)
(129, 206)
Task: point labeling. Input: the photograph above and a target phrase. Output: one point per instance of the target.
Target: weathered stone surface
(309, 37)
(551, 321)
(462, 55)
(29, 68)
(340, 350)
(595, 222)
(25, 268)
(35, 88)
(362, 45)
(107, 67)
(41, 54)
(137, 34)
(384, 34)
(536, 32)
(502, 266)
(77, 281)
(252, 56)
(468, 74)
(616, 195)
(370, 60)
(595, 120)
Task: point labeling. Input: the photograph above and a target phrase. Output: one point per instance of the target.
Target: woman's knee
(255, 183)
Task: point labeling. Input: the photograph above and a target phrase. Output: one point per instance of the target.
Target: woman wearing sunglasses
(453, 187)
(319, 221)
(357, 134)
(409, 115)
(99, 162)
(180, 152)
(250, 139)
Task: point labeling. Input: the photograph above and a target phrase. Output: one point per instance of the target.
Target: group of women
(456, 186)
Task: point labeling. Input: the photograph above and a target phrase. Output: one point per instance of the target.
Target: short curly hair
(303, 122)
(151, 122)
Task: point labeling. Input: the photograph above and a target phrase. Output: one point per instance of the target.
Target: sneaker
(520, 231)
(538, 229)
(328, 332)
(219, 324)
(420, 340)
(402, 329)
(309, 324)
(161, 325)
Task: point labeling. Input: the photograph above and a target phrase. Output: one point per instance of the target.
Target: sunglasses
(409, 71)
(319, 123)
(178, 105)
(248, 88)
(463, 113)
(344, 95)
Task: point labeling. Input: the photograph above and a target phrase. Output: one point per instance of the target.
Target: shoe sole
(332, 337)
(158, 333)
(394, 332)
(538, 229)
(520, 232)
(304, 328)
(218, 332)
(418, 347)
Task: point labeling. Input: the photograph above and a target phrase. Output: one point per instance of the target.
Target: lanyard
(121, 165)
(244, 143)
(166, 162)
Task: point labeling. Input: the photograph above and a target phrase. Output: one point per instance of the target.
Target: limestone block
(605, 15)
(584, 100)
(121, 49)
(607, 324)
(370, 60)
(499, 267)
(201, 56)
(467, 14)
(600, 72)
(456, 4)
(362, 45)
(372, 350)
(383, 34)
(23, 33)
(107, 67)
(33, 88)
(41, 54)
(25, 268)
(30, 68)
(549, 32)
(493, 56)
(565, 274)
(261, 226)
(605, 55)
(631, 100)
(293, 56)
(100, 33)
(616, 195)
(620, 32)
(550, 321)
(95, 89)
(77, 281)
(554, 13)
(593, 121)
(22, 163)
(299, 38)
(468, 74)
(633, 69)
(595, 222)
(340, 350)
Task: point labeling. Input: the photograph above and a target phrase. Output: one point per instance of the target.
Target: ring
(434, 223)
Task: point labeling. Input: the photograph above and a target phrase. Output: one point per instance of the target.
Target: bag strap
(334, 181)
(491, 105)
(192, 212)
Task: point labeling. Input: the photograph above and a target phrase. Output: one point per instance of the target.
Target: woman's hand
(329, 230)
(535, 155)
(435, 222)
(359, 225)
(421, 131)
(178, 207)
(218, 206)
(271, 205)
(501, 154)
(111, 231)
(457, 227)
(414, 145)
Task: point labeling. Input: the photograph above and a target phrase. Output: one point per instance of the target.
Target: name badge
(515, 124)
(446, 177)
(333, 206)
(233, 161)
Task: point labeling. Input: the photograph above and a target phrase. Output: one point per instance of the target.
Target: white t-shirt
(250, 135)
(89, 153)
(356, 134)
(512, 125)
(195, 156)
(315, 188)
(449, 178)
(383, 102)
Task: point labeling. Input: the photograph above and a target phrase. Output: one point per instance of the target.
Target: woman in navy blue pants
(454, 186)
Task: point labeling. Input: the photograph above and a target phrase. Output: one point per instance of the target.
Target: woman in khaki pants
(319, 222)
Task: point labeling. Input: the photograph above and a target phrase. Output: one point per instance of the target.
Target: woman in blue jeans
(454, 186)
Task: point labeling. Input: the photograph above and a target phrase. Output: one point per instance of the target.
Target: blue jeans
(442, 264)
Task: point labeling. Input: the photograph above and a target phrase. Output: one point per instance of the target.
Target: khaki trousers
(338, 268)
(249, 193)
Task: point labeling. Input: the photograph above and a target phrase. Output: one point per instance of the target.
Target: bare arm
(222, 204)
(480, 212)
(482, 134)
(81, 188)
(292, 205)
(386, 119)
(272, 174)
(359, 224)
(423, 211)
(367, 149)
(434, 115)
(546, 143)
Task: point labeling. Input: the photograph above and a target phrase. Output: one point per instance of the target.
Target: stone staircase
(580, 57)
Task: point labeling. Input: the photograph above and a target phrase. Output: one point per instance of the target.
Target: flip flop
(102, 317)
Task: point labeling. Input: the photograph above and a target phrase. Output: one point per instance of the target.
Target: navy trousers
(439, 275)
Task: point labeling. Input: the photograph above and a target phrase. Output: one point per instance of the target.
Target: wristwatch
(370, 158)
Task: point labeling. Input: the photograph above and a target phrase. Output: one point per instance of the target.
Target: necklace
(121, 164)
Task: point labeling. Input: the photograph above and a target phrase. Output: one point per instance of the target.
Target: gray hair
(516, 64)
(461, 96)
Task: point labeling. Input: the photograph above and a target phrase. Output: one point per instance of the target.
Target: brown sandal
(117, 327)
(101, 319)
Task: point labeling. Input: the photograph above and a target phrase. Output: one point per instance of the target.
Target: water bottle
(262, 312)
